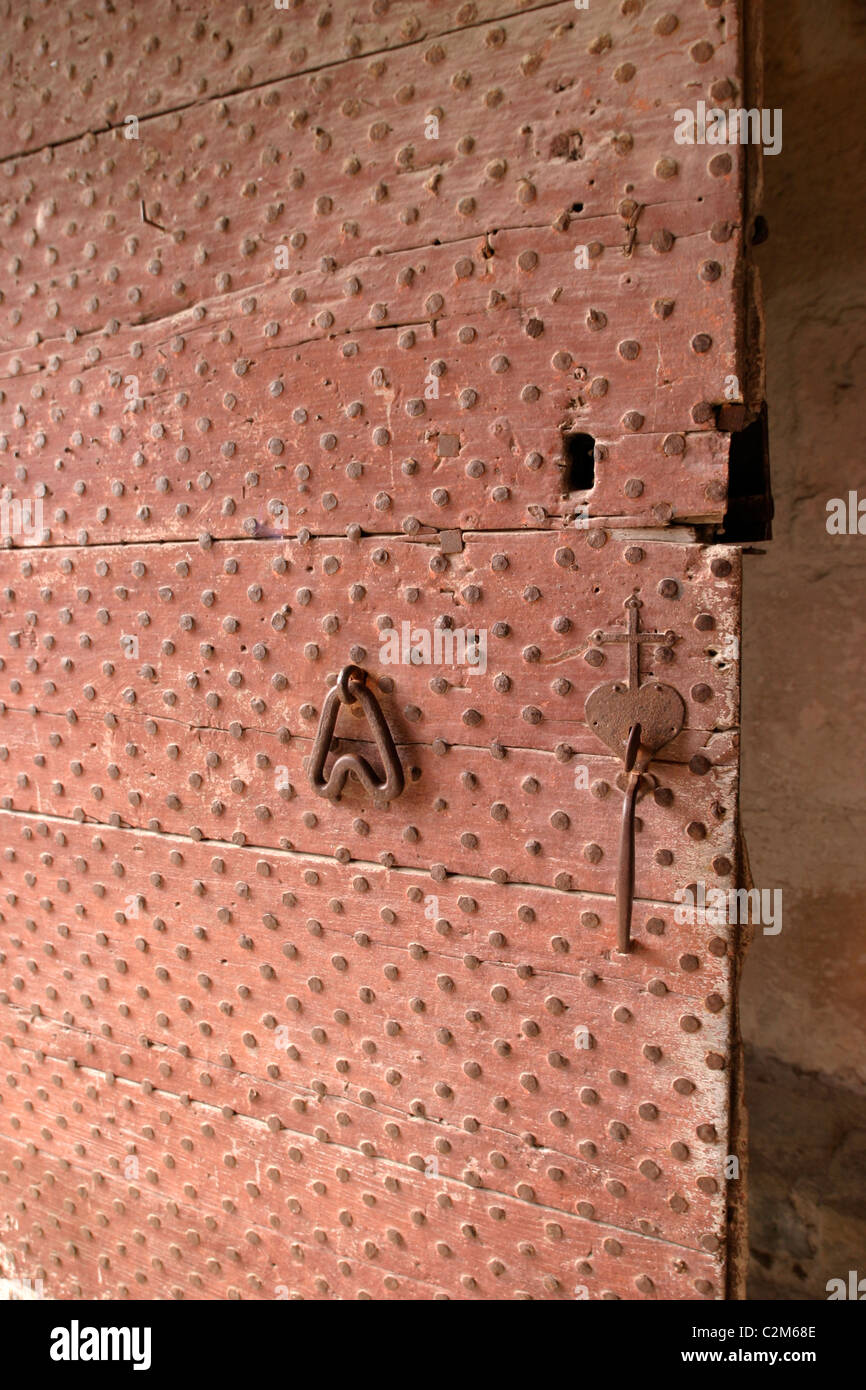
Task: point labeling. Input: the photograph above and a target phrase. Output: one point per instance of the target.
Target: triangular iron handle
(351, 687)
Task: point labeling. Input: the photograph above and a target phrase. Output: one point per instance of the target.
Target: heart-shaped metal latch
(635, 721)
(613, 709)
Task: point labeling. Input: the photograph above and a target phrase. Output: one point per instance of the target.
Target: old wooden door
(332, 333)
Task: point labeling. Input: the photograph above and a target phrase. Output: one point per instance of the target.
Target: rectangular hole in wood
(578, 450)
(749, 511)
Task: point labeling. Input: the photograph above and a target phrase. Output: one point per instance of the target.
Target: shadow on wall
(804, 794)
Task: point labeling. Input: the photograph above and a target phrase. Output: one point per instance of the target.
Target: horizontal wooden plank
(249, 415)
(254, 633)
(197, 732)
(338, 1225)
(666, 1200)
(527, 815)
(534, 128)
(194, 1002)
(65, 82)
(175, 355)
(684, 1198)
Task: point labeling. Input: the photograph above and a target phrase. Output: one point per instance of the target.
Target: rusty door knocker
(351, 688)
(635, 721)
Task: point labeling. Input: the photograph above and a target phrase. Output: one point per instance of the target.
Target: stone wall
(804, 715)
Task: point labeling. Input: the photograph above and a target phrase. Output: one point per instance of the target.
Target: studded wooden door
(330, 335)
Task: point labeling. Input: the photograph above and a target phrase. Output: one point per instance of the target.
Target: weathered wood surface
(237, 995)
(277, 376)
(252, 634)
(243, 665)
(525, 815)
(251, 416)
(168, 55)
(395, 244)
(336, 1226)
(531, 123)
